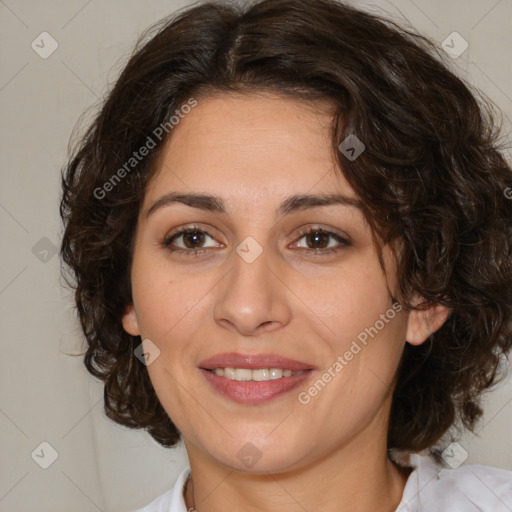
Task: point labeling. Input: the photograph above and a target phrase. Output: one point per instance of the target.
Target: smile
(259, 375)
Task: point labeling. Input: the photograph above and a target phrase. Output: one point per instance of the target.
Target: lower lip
(254, 392)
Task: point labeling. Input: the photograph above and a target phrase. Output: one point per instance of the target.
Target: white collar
(429, 488)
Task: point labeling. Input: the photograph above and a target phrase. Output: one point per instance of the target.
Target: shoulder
(472, 488)
(170, 501)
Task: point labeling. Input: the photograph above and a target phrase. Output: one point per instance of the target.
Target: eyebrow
(215, 204)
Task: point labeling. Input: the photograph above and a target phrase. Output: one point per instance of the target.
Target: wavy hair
(432, 181)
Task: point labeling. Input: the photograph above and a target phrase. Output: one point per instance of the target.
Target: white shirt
(429, 488)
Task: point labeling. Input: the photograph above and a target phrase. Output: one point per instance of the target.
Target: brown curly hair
(432, 181)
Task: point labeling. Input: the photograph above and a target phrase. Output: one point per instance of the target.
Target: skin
(254, 151)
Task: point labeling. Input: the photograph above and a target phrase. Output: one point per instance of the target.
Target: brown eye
(320, 240)
(317, 239)
(189, 241)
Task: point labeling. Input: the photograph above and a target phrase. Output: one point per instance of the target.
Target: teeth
(262, 374)
(276, 373)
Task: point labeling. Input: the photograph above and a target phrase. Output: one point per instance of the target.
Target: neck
(356, 478)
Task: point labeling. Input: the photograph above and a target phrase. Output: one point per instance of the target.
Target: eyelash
(166, 243)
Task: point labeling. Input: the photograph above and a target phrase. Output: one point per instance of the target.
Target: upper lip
(253, 362)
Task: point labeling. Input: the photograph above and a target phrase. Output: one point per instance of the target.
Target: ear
(130, 323)
(424, 322)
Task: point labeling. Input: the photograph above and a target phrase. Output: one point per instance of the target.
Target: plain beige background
(46, 395)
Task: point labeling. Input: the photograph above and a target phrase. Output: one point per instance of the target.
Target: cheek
(360, 325)
(163, 303)
(171, 313)
(351, 301)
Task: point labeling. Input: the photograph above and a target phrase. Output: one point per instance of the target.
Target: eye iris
(196, 236)
(315, 237)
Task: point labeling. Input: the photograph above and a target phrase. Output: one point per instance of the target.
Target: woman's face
(251, 281)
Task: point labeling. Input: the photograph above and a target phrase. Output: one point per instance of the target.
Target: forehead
(251, 144)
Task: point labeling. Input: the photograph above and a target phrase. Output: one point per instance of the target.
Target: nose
(253, 298)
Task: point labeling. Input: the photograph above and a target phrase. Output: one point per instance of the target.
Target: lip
(253, 392)
(253, 362)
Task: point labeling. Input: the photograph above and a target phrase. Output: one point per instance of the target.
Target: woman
(290, 247)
